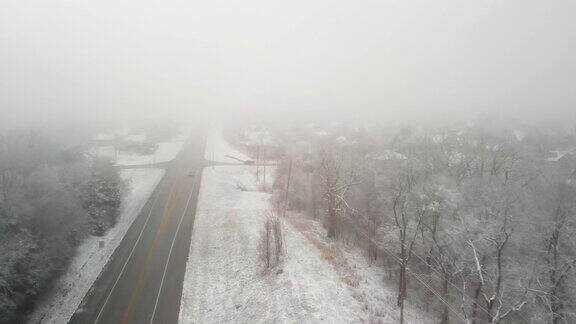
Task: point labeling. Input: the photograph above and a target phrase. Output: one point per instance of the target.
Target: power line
(443, 276)
(418, 277)
(439, 275)
(358, 231)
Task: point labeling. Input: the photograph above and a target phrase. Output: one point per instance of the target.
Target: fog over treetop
(75, 60)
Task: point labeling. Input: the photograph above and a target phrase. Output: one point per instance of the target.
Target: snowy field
(89, 261)
(224, 280)
(107, 152)
(219, 150)
(166, 152)
(319, 281)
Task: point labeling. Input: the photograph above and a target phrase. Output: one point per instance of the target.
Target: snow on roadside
(219, 150)
(89, 260)
(224, 281)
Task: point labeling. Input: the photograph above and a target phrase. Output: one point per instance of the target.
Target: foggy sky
(75, 60)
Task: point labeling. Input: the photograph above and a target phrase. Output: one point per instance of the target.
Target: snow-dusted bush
(271, 248)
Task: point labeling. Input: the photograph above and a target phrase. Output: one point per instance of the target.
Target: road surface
(142, 282)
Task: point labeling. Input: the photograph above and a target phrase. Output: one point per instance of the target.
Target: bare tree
(493, 293)
(557, 207)
(338, 174)
(408, 210)
(442, 259)
(271, 248)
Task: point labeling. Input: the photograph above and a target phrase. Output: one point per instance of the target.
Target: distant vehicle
(191, 173)
(248, 162)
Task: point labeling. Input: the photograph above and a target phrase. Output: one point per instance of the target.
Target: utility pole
(257, 163)
(402, 311)
(262, 154)
(287, 188)
(264, 170)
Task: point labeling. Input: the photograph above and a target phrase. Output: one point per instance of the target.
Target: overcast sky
(77, 59)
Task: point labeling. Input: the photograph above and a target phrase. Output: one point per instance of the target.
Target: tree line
(476, 222)
(51, 198)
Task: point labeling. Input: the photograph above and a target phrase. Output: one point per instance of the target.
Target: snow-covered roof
(439, 138)
(559, 154)
(519, 134)
(342, 140)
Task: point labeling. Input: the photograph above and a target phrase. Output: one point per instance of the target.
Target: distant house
(563, 157)
(343, 141)
(519, 134)
(557, 155)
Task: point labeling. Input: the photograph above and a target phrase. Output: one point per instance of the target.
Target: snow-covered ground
(105, 136)
(166, 152)
(224, 279)
(90, 259)
(370, 283)
(219, 150)
(319, 281)
(102, 151)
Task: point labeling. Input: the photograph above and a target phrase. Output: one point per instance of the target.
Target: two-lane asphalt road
(142, 282)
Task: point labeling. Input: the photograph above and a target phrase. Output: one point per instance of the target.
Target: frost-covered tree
(42, 219)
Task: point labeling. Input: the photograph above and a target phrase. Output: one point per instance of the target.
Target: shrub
(271, 246)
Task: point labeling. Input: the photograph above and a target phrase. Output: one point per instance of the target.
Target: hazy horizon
(68, 61)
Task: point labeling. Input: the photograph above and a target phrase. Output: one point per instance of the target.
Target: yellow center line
(168, 207)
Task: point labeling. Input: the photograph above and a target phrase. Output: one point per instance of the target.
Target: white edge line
(170, 252)
(127, 260)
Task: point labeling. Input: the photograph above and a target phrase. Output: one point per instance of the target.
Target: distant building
(565, 158)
